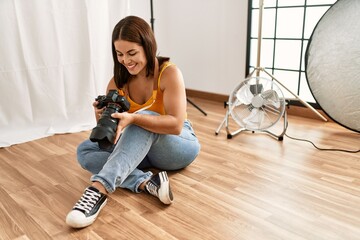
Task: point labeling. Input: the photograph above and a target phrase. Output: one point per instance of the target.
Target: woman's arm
(174, 98)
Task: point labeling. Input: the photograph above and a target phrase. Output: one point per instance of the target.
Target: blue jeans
(138, 149)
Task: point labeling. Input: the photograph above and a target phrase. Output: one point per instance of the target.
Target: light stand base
(196, 106)
(258, 69)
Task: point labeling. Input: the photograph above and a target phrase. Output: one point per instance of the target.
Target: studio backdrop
(55, 58)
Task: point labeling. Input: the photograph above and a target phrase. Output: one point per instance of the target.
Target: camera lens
(105, 131)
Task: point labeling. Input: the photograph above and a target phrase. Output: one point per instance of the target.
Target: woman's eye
(132, 54)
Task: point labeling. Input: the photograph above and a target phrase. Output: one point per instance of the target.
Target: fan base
(230, 135)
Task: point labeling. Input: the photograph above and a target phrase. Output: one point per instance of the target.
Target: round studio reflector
(332, 63)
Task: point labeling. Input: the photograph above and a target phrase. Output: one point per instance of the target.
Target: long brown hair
(137, 30)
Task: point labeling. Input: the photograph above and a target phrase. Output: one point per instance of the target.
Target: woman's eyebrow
(131, 50)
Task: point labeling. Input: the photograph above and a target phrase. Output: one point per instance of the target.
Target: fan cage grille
(257, 103)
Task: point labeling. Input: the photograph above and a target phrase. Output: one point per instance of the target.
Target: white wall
(205, 38)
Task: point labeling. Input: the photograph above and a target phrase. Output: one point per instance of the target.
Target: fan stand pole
(261, 8)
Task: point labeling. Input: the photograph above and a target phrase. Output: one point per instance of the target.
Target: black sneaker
(87, 208)
(159, 186)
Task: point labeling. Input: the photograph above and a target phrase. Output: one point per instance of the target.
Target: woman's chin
(132, 72)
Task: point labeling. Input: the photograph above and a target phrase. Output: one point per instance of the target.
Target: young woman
(154, 133)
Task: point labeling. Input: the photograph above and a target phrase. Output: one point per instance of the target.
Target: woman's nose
(125, 60)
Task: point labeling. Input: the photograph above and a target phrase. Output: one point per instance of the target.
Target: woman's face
(131, 55)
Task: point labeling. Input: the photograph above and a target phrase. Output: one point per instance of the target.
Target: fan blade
(255, 118)
(271, 97)
(244, 95)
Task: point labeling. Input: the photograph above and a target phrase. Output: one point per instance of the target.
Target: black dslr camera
(105, 130)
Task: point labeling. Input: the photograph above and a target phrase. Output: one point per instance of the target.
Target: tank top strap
(167, 64)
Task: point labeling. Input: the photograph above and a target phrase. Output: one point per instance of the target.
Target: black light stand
(152, 20)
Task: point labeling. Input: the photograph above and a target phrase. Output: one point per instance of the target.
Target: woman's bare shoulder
(171, 76)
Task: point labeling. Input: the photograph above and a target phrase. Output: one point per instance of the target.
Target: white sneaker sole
(77, 219)
(163, 191)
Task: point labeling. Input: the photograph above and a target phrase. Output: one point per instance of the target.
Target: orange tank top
(155, 102)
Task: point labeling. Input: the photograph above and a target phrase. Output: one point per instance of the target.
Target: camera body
(105, 131)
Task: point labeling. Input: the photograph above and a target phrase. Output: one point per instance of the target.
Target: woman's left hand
(125, 119)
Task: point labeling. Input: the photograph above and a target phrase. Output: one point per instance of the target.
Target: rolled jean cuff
(141, 180)
(106, 185)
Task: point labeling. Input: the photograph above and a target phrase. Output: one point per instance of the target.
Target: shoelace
(87, 200)
(152, 188)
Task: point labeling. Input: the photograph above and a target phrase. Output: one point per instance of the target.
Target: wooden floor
(248, 187)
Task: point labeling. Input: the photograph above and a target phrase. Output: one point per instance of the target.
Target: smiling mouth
(131, 66)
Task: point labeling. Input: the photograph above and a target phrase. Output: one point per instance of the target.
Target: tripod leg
(220, 126)
(296, 96)
(198, 108)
